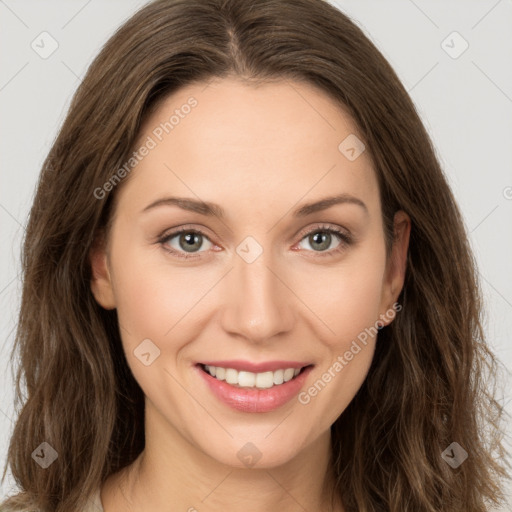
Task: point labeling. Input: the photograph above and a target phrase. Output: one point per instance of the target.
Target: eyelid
(324, 226)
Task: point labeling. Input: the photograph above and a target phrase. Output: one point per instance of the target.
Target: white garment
(94, 503)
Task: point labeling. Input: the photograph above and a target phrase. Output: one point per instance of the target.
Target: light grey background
(465, 102)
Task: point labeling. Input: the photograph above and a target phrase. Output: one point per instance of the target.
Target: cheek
(349, 347)
(347, 297)
(350, 308)
(155, 305)
(153, 296)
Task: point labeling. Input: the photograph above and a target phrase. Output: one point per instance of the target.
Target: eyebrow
(211, 209)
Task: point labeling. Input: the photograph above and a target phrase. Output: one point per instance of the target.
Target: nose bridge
(259, 304)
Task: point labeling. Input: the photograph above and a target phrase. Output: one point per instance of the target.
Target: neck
(171, 470)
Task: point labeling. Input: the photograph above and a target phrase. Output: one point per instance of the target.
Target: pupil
(190, 240)
(324, 237)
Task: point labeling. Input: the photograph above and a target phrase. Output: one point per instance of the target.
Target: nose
(259, 304)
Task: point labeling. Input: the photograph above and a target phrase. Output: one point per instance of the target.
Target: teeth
(245, 379)
(231, 376)
(278, 377)
(264, 380)
(288, 374)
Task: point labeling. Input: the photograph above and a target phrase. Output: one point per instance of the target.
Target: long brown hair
(431, 379)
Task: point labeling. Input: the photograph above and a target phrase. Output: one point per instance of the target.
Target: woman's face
(266, 286)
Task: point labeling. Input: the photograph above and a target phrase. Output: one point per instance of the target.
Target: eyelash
(345, 240)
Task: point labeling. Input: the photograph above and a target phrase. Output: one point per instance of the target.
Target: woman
(184, 344)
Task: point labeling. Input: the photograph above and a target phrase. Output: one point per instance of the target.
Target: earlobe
(397, 263)
(101, 283)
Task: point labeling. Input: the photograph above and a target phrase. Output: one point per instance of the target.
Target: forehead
(232, 142)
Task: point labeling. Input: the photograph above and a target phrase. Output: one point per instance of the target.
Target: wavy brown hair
(433, 378)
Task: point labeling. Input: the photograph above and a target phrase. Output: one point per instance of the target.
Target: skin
(259, 152)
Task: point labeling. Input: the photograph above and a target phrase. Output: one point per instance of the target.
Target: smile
(256, 391)
(246, 379)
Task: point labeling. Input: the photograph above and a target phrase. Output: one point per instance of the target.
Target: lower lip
(254, 399)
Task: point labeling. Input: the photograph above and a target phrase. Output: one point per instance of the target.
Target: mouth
(269, 386)
(254, 380)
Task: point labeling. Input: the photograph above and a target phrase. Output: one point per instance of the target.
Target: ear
(101, 283)
(396, 265)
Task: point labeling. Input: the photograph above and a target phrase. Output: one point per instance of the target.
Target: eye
(321, 238)
(185, 242)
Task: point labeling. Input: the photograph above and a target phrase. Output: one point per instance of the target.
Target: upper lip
(248, 366)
